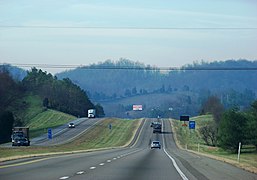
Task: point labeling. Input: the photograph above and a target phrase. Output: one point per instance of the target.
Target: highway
(63, 134)
(133, 163)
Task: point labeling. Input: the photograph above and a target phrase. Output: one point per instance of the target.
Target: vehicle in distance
(152, 123)
(91, 113)
(156, 144)
(20, 141)
(71, 125)
(20, 136)
(157, 127)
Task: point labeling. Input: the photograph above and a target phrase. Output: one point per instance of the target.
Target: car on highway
(156, 144)
(71, 125)
(20, 141)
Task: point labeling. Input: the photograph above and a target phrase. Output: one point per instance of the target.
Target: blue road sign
(110, 126)
(49, 132)
(191, 125)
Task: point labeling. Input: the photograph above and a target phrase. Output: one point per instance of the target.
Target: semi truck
(20, 136)
(91, 113)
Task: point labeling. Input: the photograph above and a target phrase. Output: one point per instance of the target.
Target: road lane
(136, 162)
(200, 167)
(64, 134)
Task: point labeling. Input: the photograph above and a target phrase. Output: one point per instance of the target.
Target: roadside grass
(34, 107)
(37, 118)
(47, 119)
(27, 108)
(191, 140)
(98, 137)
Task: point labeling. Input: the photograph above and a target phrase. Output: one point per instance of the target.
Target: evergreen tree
(6, 124)
(232, 129)
(99, 110)
(252, 125)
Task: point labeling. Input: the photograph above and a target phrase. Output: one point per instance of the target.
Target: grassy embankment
(100, 136)
(189, 139)
(37, 118)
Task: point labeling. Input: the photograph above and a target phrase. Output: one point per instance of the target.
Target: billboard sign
(137, 107)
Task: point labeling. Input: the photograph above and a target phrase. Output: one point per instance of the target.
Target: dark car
(21, 141)
(71, 125)
(156, 144)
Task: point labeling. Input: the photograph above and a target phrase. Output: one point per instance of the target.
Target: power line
(147, 68)
(127, 28)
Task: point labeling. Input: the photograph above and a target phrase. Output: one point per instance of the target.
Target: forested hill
(112, 80)
(16, 72)
(61, 95)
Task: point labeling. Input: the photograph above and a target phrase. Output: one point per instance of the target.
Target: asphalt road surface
(132, 163)
(64, 134)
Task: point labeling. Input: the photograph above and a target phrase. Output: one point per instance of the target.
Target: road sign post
(49, 132)
(184, 118)
(238, 155)
(191, 125)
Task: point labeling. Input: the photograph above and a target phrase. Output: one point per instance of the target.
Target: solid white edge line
(183, 176)
(176, 166)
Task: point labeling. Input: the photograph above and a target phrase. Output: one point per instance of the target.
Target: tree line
(111, 81)
(230, 126)
(62, 95)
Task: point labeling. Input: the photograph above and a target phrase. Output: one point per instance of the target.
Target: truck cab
(91, 113)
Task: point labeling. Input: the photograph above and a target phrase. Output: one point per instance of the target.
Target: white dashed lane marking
(101, 164)
(64, 177)
(80, 172)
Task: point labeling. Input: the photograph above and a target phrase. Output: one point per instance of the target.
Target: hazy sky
(234, 35)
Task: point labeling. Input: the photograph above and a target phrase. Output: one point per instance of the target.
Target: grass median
(98, 137)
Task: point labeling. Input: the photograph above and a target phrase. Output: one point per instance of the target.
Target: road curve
(135, 162)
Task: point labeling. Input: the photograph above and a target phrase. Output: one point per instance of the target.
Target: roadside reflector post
(239, 149)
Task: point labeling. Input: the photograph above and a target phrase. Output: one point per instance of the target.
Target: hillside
(26, 101)
(16, 72)
(165, 105)
(113, 81)
(37, 117)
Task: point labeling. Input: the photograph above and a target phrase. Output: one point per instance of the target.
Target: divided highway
(63, 134)
(132, 163)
